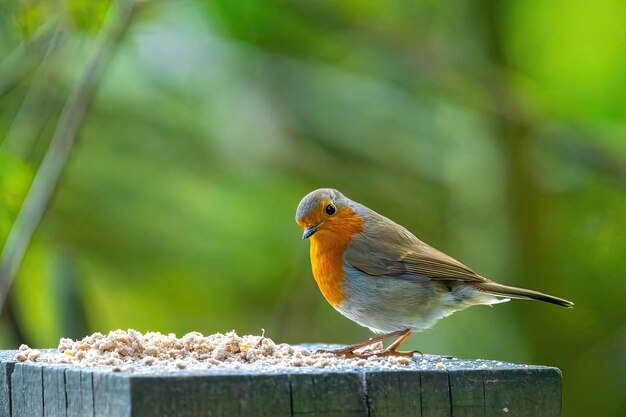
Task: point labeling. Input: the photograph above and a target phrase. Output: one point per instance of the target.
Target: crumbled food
(130, 350)
(439, 366)
(27, 354)
(65, 344)
(33, 354)
(404, 361)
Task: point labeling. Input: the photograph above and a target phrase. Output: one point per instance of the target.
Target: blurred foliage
(15, 177)
(493, 130)
(87, 15)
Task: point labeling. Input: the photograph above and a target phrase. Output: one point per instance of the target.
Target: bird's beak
(308, 232)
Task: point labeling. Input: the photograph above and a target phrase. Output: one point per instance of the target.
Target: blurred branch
(24, 130)
(57, 155)
(26, 57)
(516, 127)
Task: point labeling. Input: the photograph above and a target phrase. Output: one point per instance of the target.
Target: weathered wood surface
(463, 388)
(7, 362)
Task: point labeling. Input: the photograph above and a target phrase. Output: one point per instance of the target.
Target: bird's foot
(345, 352)
(352, 353)
(374, 347)
(393, 352)
(365, 349)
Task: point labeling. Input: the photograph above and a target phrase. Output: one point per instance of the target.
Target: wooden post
(459, 388)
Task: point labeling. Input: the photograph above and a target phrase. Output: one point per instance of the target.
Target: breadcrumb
(127, 350)
(33, 355)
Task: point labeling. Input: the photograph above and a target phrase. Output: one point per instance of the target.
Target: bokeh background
(495, 130)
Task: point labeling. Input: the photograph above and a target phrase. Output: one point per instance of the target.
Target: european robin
(378, 274)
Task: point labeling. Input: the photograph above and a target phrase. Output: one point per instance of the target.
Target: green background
(494, 130)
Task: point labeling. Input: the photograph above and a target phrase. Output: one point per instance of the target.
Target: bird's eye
(330, 209)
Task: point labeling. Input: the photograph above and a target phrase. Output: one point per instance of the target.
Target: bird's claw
(351, 353)
(346, 353)
(393, 352)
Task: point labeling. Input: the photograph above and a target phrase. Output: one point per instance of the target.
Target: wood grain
(462, 388)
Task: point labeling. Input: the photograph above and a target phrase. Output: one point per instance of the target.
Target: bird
(381, 276)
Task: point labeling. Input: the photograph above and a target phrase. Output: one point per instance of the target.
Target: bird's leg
(391, 350)
(348, 351)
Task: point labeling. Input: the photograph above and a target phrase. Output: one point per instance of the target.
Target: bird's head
(327, 210)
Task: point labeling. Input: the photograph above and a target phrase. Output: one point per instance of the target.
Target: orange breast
(328, 246)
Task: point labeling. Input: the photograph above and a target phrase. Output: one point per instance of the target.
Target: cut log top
(429, 386)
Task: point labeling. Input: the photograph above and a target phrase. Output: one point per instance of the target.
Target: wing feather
(387, 249)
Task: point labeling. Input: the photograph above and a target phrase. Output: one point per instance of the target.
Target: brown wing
(387, 249)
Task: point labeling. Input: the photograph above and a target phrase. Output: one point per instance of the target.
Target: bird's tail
(494, 288)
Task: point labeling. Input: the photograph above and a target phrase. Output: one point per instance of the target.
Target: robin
(378, 274)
